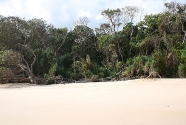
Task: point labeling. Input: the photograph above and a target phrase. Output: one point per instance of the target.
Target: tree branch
(31, 65)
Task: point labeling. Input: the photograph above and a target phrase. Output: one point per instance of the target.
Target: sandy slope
(133, 102)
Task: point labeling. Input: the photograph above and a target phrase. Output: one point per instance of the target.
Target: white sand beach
(132, 102)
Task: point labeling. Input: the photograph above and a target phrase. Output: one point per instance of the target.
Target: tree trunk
(27, 70)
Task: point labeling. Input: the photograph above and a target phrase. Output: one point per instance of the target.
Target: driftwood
(58, 79)
(39, 81)
(153, 74)
(19, 79)
(94, 78)
(22, 79)
(107, 79)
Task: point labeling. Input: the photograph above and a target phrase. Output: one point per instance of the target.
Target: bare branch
(64, 35)
(82, 21)
(130, 12)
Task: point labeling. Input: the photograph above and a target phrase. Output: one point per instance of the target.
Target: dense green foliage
(157, 43)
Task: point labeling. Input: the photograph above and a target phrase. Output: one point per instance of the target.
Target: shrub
(5, 75)
(137, 66)
(182, 71)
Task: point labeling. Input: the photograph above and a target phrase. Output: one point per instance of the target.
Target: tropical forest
(37, 52)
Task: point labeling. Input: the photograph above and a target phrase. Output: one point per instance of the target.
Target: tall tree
(28, 38)
(114, 18)
(129, 13)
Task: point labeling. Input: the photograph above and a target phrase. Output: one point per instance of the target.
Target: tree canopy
(118, 49)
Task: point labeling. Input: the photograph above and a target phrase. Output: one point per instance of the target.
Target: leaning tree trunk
(29, 69)
(182, 28)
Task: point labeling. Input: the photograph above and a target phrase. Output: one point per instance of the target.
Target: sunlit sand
(133, 102)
